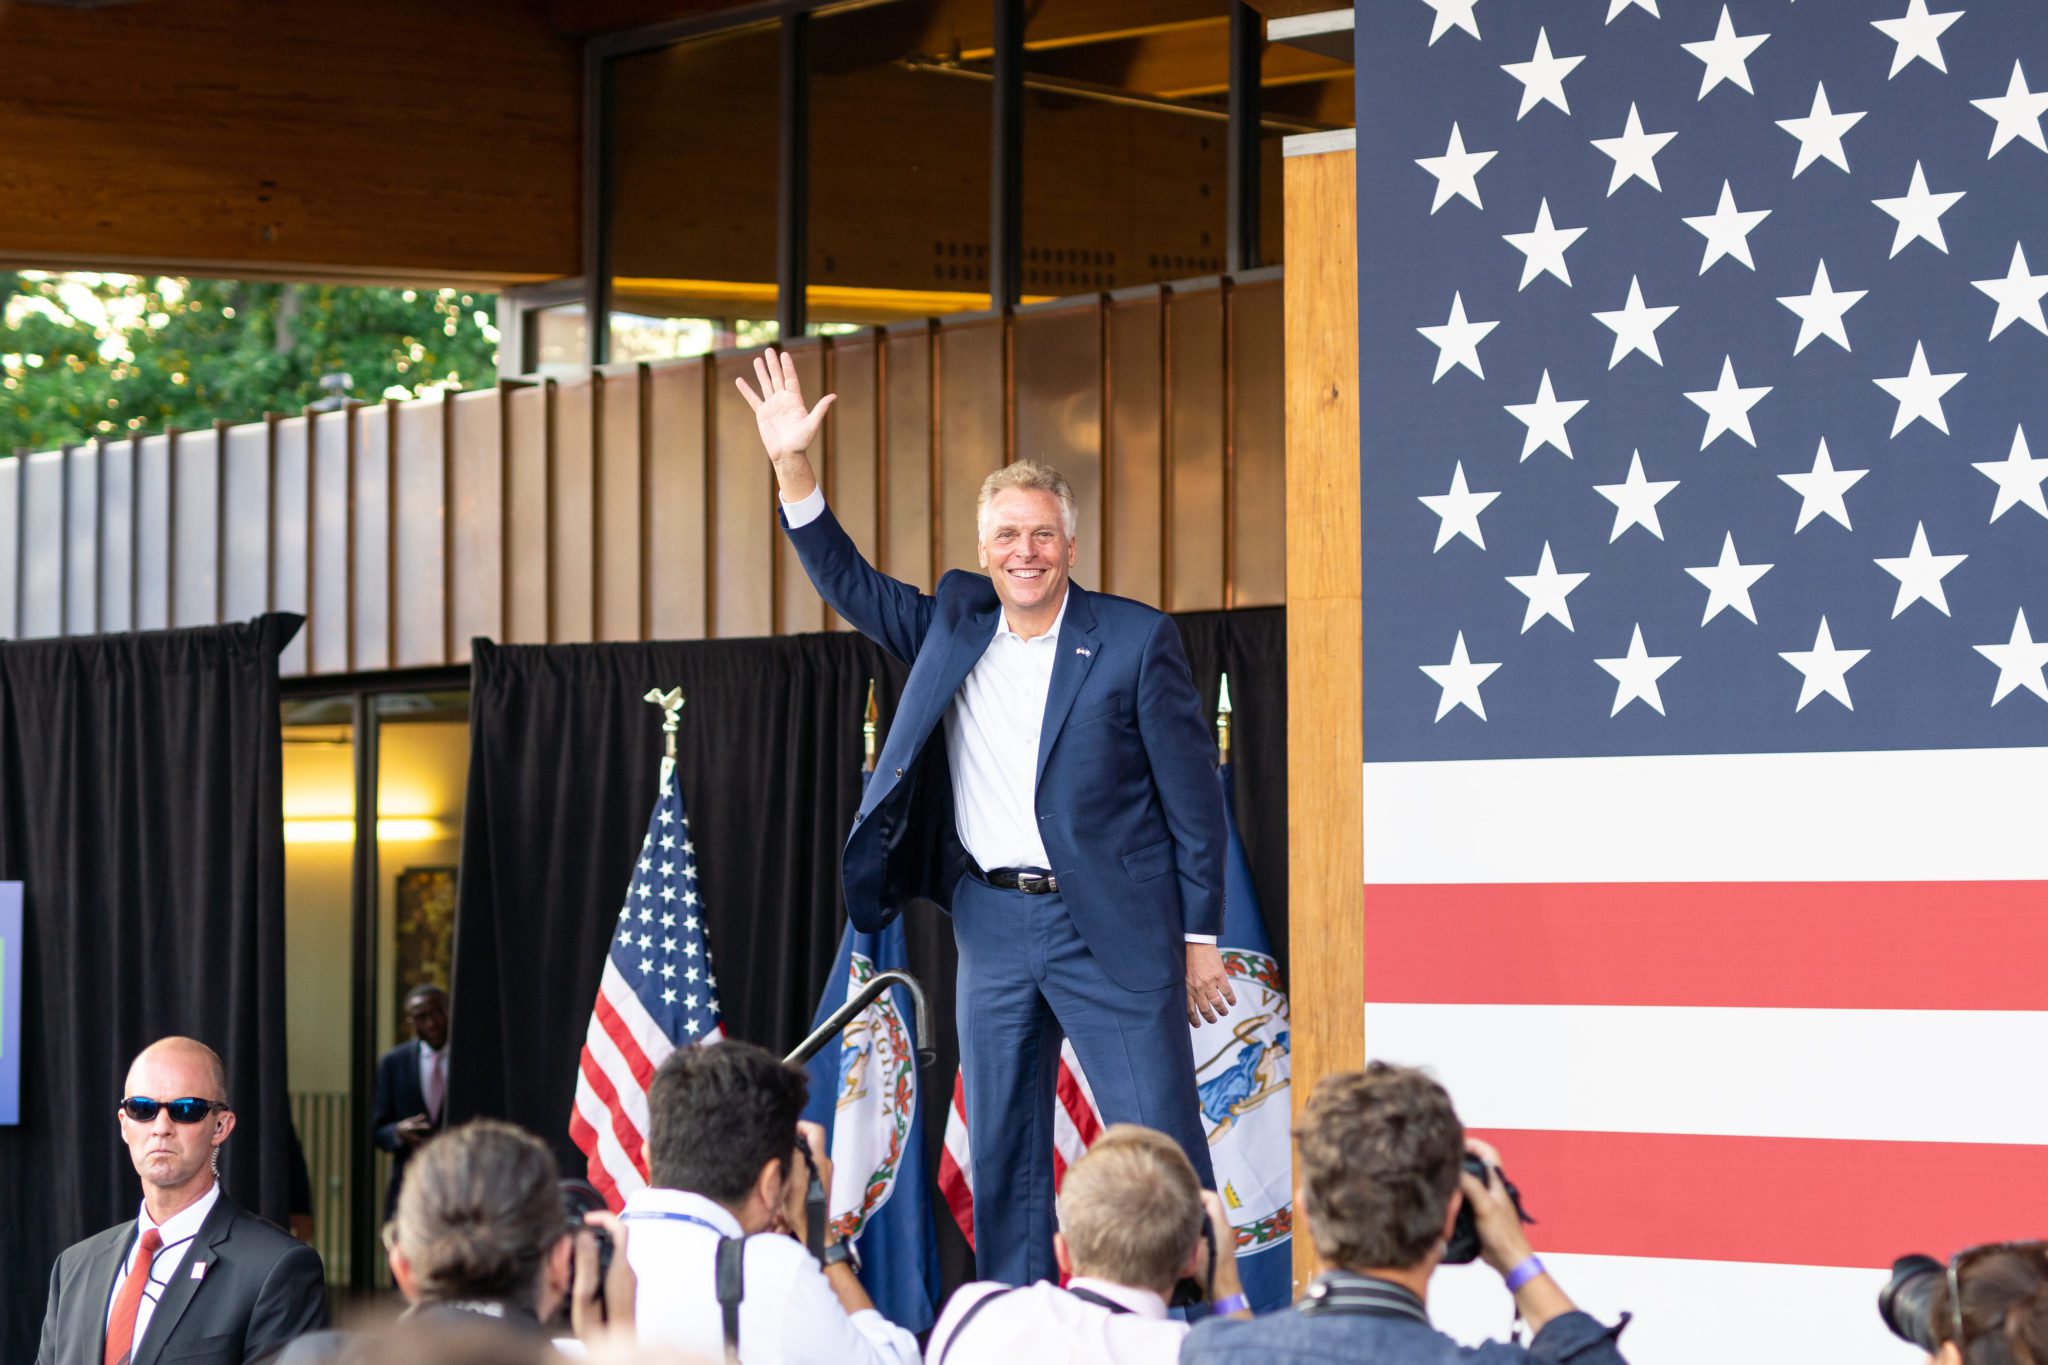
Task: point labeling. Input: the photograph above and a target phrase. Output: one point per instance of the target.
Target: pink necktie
(435, 1084)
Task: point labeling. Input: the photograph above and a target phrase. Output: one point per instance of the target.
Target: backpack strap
(731, 1286)
(984, 1301)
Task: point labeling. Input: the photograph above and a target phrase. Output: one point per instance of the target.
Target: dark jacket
(398, 1096)
(1294, 1337)
(259, 1290)
(1127, 798)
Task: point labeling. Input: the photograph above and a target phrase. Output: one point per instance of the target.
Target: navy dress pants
(1027, 980)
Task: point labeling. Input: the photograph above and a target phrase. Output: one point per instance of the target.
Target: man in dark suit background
(409, 1104)
(1048, 778)
(192, 1277)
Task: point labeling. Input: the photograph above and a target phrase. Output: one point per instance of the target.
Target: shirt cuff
(1209, 939)
(804, 510)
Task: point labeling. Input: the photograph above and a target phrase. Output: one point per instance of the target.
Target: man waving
(1050, 780)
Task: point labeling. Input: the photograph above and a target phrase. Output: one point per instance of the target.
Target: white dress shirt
(1045, 1323)
(177, 1231)
(992, 734)
(789, 1313)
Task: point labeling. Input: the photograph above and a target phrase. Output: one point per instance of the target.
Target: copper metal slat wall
(117, 538)
(245, 521)
(634, 503)
(476, 519)
(291, 540)
(81, 540)
(677, 545)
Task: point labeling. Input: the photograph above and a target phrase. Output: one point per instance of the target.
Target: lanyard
(668, 1216)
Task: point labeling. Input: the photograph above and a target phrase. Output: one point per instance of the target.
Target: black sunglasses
(1956, 1265)
(143, 1109)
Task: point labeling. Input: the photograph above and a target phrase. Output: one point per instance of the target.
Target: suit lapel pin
(1082, 652)
(199, 1270)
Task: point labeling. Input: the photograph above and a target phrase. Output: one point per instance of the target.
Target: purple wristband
(1523, 1273)
(1233, 1303)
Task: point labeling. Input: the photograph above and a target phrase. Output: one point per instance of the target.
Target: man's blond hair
(1131, 1209)
(1028, 474)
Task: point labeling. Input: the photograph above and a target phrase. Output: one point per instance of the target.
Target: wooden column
(1325, 698)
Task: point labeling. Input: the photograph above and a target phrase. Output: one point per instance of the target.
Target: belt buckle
(1032, 884)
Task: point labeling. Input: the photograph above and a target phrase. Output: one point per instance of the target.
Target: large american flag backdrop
(1705, 559)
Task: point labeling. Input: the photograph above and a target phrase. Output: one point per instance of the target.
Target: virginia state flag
(866, 1094)
(1242, 1076)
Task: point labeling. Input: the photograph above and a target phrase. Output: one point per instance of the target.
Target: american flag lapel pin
(1083, 652)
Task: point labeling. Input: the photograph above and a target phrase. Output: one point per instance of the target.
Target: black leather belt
(1012, 879)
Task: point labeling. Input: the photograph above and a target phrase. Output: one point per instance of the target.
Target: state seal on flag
(1242, 1077)
(876, 1099)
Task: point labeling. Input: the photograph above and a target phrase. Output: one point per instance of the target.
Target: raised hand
(787, 427)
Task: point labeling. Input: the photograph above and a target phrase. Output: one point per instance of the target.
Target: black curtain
(141, 804)
(564, 757)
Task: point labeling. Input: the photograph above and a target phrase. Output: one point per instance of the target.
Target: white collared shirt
(177, 1231)
(992, 734)
(1044, 1322)
(789, 1313)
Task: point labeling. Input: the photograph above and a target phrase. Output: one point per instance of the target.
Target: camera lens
(1906, 1303)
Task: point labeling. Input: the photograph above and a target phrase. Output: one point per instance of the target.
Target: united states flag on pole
(1706, 616)
(658, 993)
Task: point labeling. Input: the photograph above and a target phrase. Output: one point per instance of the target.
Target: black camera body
(578, 1198)
(1463, 1246)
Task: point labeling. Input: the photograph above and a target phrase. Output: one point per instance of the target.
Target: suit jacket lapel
(97, 1293)
(960, 652)
(1075, 653)
(179, 1293)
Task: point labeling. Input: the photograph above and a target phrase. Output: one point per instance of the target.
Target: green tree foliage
(85, 356)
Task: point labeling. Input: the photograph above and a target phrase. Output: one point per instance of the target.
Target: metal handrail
(867, 995)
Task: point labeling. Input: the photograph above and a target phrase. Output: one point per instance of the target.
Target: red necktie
(121, 1327)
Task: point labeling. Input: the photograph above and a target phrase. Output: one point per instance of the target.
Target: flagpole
(869, 719)
(1223, 720)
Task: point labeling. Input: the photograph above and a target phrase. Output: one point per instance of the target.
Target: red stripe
(1086, 1122)
(585, 1138)
(629, 1137)
(1808, 945)
(1797, 1201)
(623, 1039)
(959, 1198)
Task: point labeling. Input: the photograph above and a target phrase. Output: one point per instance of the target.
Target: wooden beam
(1325, 698)
(1184, 62)
(277, 145)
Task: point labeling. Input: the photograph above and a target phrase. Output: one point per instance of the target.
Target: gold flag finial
(1223, 720)
(869, 721)
(671, 704)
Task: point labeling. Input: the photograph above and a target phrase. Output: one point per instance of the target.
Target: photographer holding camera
(1988, 1306)
(1136, 1229)
(1383, 1178)
(715, 1236)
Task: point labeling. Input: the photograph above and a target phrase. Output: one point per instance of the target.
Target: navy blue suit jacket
(398, 1096)
(1127, 798)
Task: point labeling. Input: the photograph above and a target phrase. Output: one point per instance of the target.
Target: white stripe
(1898, 815)
(654, 1044)
(1695, 1312)
(1728, 1072)
(610, 1155)
(957, 1145)
(632, 1099)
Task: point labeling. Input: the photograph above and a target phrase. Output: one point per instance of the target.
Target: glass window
(1126, 166)
(695, 145)
(899, 180)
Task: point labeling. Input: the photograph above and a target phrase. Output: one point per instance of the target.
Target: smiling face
(171, 1157)
(1026, 550)
(426, 1010)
